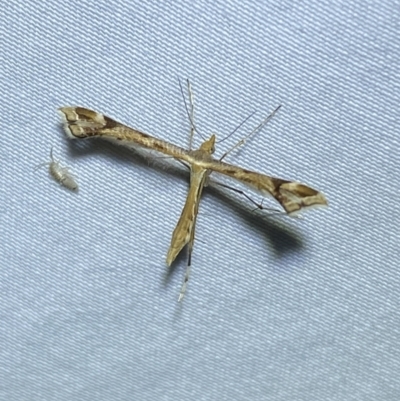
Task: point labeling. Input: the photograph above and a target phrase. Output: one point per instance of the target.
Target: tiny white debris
(60, 174)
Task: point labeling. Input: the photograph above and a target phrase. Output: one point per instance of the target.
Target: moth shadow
(279, 231)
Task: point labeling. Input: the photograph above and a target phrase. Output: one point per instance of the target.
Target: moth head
(209, 145)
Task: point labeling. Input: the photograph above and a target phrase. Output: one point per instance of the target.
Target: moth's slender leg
(240, 192)
(187, 273)
(255, 130)
(191, 113)
(237, 128)
(257, 205)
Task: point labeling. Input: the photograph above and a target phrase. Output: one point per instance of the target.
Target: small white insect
(59, 173)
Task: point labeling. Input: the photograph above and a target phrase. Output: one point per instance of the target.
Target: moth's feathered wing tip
(298, 213)
(67, 130)
(297, 198)
(65, 114)
(61, 112)
(320, 201)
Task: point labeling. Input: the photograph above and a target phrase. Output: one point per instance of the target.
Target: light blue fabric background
(277, 309)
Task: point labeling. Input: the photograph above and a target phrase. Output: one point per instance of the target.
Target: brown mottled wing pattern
(294, 197)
